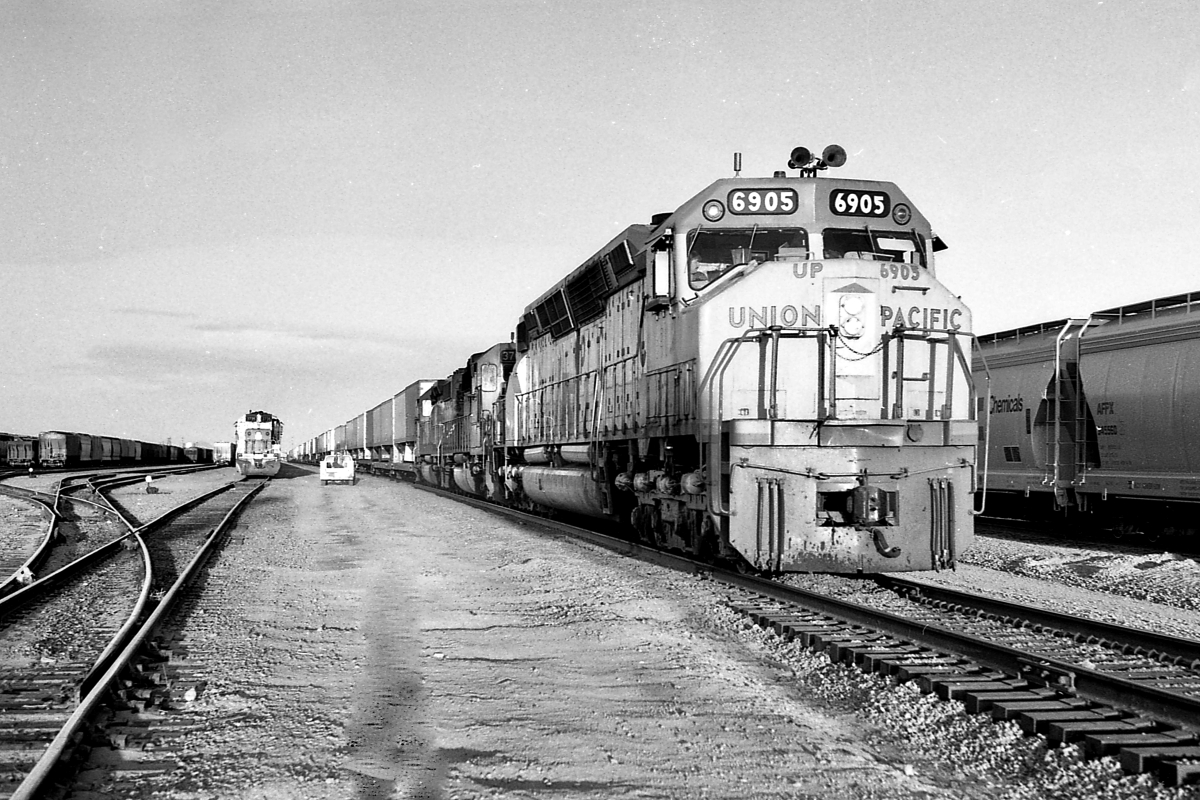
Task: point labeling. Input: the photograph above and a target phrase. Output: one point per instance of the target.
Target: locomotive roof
(636, 236)
(810, 191)
(813, 210)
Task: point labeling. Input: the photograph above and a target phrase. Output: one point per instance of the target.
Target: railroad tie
(1072, 731)
(1164, 760)
(1107, 744)
(1010, 709)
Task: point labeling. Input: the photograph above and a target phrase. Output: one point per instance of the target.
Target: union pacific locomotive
(771, 374)
(257, 437)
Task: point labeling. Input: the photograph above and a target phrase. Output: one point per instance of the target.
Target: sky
(305, 206)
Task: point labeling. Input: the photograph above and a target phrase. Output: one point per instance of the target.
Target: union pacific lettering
(935, 319)
(766, 316)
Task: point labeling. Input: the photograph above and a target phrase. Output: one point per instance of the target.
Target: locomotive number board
(763, 201)
(859, 203)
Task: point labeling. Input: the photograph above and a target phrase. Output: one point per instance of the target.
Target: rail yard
(665, 529)
(670, 526)
(600, 400)
(512, 657)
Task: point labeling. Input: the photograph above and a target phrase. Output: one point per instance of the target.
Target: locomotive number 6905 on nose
(763, 201)
(856, 203)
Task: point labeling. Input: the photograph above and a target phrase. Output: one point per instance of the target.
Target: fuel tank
(465, 481)
(428, 475)
(564, 488)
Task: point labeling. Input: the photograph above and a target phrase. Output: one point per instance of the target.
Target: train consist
(1097, 419)
(771, 374)
(53, 449)
(257, 441)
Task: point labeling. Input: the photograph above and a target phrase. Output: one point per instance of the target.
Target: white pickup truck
(337, 468)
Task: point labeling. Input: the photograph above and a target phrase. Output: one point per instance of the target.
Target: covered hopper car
(1097, 418)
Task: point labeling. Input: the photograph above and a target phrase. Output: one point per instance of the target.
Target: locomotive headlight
(714, 210)
(850, 316)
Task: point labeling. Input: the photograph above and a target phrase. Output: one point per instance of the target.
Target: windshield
(713, 252)
(898, 246)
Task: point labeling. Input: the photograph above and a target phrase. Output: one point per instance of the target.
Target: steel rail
(18, 599)
(1091, 684)
(38, 496)
(31, 786)
(1187, 651)
(8, 585)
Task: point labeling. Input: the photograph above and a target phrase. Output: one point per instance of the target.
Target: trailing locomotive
(771, 374)
(1097, 419)
(257, 438)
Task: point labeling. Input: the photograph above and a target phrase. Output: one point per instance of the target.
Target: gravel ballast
(378, 641)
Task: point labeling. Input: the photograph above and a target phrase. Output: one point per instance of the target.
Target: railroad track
(67, 528)
(66, 638)
(1117, 691)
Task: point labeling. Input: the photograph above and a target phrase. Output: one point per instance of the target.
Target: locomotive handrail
(715, 377)
(951, 340)
(712, 384)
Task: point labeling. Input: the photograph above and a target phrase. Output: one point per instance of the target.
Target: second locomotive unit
(771, 374)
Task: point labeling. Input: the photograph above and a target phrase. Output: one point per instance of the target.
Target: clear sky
(303, 206)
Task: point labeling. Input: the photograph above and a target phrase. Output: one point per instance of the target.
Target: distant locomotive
(1097, 419)
(771, 374)
(257, 438)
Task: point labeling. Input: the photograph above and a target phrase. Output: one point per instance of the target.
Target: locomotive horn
(801, 156)
(834, 155)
